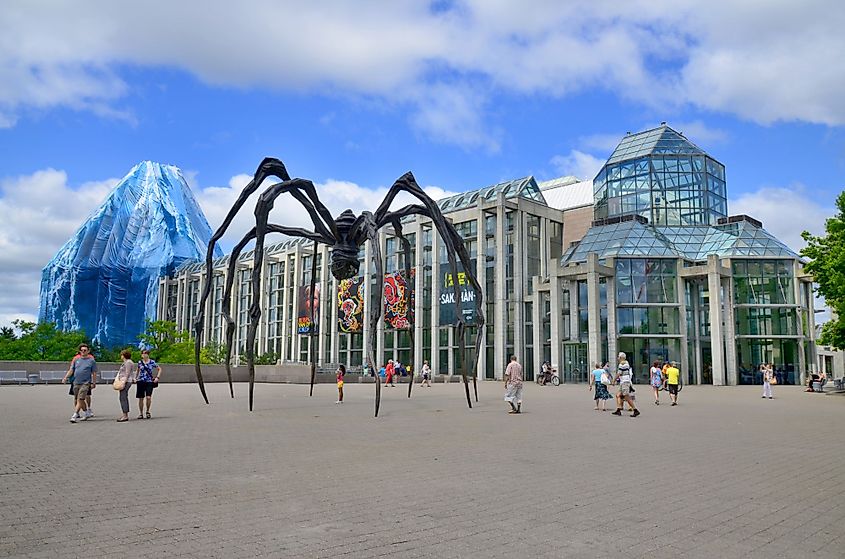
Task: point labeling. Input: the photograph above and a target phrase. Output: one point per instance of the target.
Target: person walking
(84, 372)
(70, 379)
(673, 380)
(623, 394)
(599, 379)
(768, 375)
(341, 370)
(513, 385)
(126, 374)
(389, 372)
(656, 381)
(426, 375)
(148, 375)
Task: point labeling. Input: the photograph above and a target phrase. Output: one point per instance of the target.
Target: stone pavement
(724, 474)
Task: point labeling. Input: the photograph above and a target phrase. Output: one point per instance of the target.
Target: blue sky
(352, 95)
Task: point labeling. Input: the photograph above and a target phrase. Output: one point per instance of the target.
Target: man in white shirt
(625, 380)
(513, 385)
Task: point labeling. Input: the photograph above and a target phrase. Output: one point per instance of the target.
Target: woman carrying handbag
(122, 381)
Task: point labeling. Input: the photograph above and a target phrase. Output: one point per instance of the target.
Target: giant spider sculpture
(345, 235)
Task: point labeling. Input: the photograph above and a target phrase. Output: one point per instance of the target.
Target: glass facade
(663, 177)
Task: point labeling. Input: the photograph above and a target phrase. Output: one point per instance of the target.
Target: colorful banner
(350, 305)
(398, 309)
(447, 296)
(306, 302)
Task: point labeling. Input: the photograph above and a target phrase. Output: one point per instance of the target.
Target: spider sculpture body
(345, 235)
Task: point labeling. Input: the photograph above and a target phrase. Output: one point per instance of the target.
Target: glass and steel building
(644, 259)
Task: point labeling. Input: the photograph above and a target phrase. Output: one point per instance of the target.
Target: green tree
(40, 342)
(167, 343)
(827, 265)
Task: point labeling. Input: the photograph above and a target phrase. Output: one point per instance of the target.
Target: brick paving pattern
(724, 474)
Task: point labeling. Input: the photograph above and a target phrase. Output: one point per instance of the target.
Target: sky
(351, 95)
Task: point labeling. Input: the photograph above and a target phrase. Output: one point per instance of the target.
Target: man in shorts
(84, 371)
(625, 380)
(513, 385)
(673, 376)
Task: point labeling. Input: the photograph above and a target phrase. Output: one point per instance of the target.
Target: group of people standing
(82, 375)
(602, 380)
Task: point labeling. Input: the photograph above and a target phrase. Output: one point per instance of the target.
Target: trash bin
(33, 378)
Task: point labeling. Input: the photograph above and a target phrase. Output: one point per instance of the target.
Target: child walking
(341, 370)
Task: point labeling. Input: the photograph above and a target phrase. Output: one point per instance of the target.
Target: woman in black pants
(127, 375)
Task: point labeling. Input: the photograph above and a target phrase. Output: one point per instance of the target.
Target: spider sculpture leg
(226, 302)
(367, 230)
(323, 232)
(270, 167)
(313, 329)
(454, 244)
(406, 296)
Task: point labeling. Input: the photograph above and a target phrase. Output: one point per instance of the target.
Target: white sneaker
(338, 402)
(88, 414)
(73, 418)
(83, 417)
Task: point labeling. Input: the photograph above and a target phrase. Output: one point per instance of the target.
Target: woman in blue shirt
(601, 392)
(148, 373)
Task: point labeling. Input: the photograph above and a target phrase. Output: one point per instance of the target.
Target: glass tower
(663, 177)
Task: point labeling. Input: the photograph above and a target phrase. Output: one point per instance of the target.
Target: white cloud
(40, 212)
(577, 163)
(765, 65)
(785, 212)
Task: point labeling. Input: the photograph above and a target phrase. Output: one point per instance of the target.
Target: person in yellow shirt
(673, 377)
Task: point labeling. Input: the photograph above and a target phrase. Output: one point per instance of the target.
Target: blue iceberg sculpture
(104, 280)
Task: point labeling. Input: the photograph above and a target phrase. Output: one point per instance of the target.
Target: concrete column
(696, 333)
(554, 317)
(682, 324)
(499, 325)
(286, 335)
(536, 314)
(263, 296)
(574, 333)
(368, 272)
(418, 296)
(612, 328)
(436, 287)
(520, 262)
(731, 372)
(717, 335)
(382, 239)
(297, 274)
(480, 270)
(593, 310)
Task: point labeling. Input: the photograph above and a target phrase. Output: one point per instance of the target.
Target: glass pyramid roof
(660, 140)
(695, 243)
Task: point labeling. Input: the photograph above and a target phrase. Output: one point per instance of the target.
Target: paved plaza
(724, 474)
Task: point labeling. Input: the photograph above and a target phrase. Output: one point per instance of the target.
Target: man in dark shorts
(84, 371)
(673, 376)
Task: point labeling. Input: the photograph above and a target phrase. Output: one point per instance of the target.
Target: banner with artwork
(350, 305)
(398, 311)
(447, 296)
(307, 301)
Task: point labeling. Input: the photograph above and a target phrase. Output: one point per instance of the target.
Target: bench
(106, 376)
(13, 377)
(51, 376)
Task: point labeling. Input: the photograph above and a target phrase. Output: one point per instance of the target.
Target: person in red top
(341, 370)
(389, 371)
